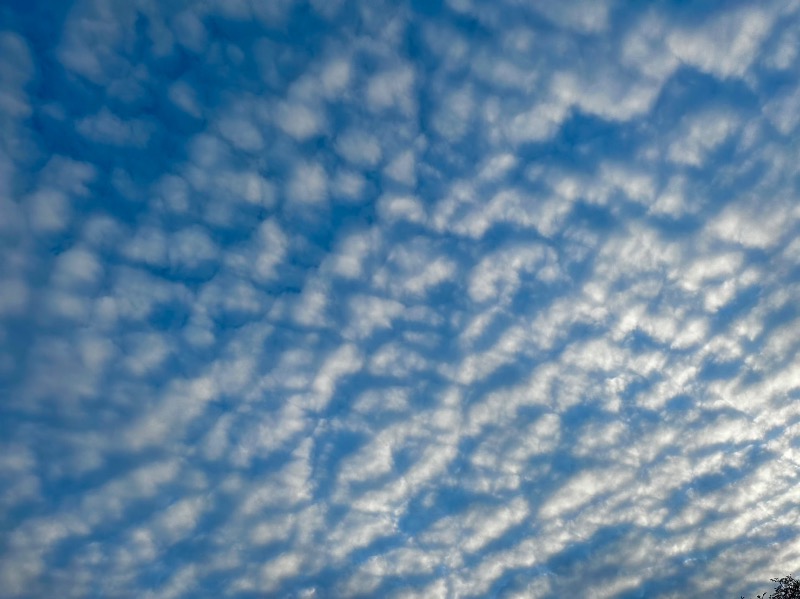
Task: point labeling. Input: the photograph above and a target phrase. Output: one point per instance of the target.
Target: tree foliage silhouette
(788, 588)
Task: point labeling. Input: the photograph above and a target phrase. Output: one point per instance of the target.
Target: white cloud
(701, 135)
(538, 123)
(105, 127)
(145, 353)
(359, 148)
(586, 17)
(189, 30)
(183, 581)
(582, 489)
(299, 121)
(373, 461)
(497, 276)
(672, 201)
(695, 276)
(308, 184)
(336, 76)
(402, 168)
(782, 111)
(392, 88)
(191, 250)
(148, 245)
(241, 132)
(14, 297)
(740, 225)
(16, 70)
(643, 48)
(785, 52)
(397, 361)
(399, 208)
(288, 486)
(727, 44)
(496, 167)
(91, 38)
(183, 96)
(272, 244)
(342, 362)
(348, 185)
(281, 567)
(48, 211)
(454, 117)
(311, 305)
(414, 269)
(19, 462)
(172, 411)
(180, 519)
(478, 527)
(371, 313)
(354, 249)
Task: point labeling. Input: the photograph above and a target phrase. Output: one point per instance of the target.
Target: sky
(399, 298)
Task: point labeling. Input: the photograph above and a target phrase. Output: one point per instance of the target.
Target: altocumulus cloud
(398, 299)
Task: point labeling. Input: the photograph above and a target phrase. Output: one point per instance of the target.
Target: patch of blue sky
(398, 299)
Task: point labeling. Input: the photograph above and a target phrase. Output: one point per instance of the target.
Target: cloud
(16, 70)
(402, 169)
(308, 185)
(359, 148)
(104, 127)
(241, 132)
(727, 44)
(700, 137)
(298, 121)
(585, 17)
(359, 299)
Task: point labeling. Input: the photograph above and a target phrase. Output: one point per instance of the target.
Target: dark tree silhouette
(788, 588)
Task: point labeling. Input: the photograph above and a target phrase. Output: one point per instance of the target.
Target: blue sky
(399, 299)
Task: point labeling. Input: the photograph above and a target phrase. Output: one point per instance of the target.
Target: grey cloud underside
(360, 299)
